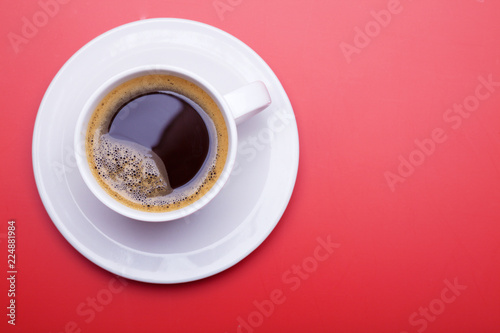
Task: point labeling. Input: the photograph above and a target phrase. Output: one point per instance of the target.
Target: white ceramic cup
(235, 106)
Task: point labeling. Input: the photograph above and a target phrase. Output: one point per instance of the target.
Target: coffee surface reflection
(170, 127)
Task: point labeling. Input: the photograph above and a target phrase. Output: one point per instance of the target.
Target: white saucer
(225, 231)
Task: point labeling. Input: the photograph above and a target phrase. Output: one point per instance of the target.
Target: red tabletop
(394, 222)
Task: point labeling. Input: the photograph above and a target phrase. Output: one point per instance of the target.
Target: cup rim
(101, 194)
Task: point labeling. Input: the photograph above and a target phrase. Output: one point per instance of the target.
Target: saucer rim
(63, 228)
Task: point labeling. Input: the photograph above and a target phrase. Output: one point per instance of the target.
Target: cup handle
(248, 100)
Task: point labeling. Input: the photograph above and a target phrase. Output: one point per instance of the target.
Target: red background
(358, 117)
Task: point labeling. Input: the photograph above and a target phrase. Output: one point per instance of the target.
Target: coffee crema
(157, 143)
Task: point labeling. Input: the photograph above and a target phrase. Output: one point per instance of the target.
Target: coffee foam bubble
(134, 175)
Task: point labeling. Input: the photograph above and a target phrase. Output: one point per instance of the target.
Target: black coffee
(157, 143)
(170, 127)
